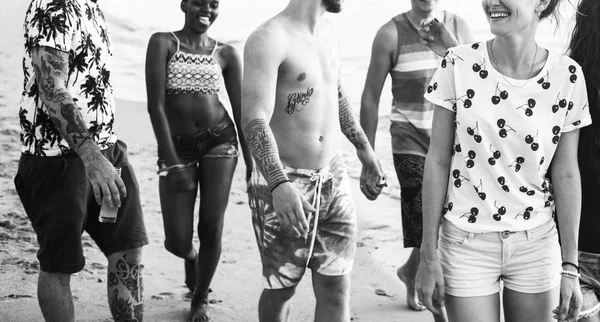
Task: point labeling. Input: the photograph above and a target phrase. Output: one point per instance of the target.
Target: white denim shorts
(475, 263)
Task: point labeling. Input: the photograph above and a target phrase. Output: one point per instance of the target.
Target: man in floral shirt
(70, 157)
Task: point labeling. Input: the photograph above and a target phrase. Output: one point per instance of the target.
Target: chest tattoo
(297, 101)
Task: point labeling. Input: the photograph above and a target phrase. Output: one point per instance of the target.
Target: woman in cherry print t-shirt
(506, 120)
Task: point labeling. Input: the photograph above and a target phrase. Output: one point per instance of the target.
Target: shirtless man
(294, 111)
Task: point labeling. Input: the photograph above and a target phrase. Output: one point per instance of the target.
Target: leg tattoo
(125, 289)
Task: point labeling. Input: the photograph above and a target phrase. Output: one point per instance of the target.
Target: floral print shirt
(78, 28)
(506, 133)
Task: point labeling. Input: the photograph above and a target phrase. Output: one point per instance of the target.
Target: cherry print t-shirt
(506, 133)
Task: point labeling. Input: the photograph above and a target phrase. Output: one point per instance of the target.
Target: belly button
(320, 139)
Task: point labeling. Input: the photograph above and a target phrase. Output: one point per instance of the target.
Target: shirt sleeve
(578, 109)
(51, 23)
(441, 90)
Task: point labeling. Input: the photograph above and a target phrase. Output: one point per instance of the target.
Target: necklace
(498, 67)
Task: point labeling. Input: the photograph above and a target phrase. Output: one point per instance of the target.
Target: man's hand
(435, 35)
(372, 178)
(105, 181)
(291, 208)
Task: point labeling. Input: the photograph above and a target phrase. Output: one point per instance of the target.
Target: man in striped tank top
(398, 51)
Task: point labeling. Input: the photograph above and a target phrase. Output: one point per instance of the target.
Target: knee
(178, 248)
(210, 238)
(278, 296)
(54, 278)
(131, 256)
(333, 288)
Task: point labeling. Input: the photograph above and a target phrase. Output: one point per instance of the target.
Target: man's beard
(333, 6)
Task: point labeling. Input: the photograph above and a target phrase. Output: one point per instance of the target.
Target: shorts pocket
(42, 176)
(452, 236)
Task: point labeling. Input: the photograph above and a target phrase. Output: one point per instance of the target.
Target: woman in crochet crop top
(197, 140)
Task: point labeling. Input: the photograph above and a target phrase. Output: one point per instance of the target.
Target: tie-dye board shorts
(284, 256)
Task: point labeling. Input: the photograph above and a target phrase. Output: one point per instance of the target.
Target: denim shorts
(589, 264)
(217, 141)
(59, 201)
(475, 263)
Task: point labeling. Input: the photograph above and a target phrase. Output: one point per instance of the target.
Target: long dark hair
(585, 50)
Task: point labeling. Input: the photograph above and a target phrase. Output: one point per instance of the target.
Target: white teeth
(499, 14)
(204, 19)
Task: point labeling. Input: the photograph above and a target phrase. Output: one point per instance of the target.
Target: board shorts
(59, 201)
(284, 256)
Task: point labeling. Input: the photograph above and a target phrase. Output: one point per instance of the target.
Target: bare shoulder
(387, 35)
(270, 33)
(228, 52)
(161, 40)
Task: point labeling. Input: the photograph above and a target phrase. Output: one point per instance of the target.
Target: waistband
(218, 126)
(529, 234)
(311, 172)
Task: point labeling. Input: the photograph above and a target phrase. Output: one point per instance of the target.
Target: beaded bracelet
(571, 274)
(569, 263)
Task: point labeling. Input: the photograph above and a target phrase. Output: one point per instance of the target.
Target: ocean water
(134, 21)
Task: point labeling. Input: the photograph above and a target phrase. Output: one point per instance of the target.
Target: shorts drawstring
(319, 177)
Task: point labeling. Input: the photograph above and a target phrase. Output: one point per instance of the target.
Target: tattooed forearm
(264, 149)
(74, 125)
(350, 127)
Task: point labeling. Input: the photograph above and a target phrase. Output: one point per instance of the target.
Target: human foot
(199, 311)
(411, 295)
(190, 274)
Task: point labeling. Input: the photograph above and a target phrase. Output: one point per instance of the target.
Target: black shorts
(60, 203)
(218, 141)
(409, 169)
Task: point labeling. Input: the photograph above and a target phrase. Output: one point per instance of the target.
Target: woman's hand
(430, 284)
(435, 35)
(179, 178)
(570, 300)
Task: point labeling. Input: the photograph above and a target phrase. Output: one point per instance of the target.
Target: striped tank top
(411, 114)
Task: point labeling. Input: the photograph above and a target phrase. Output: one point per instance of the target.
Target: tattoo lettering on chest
(297, 101)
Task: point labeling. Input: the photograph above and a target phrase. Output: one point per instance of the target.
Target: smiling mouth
(499, 15)
(203, 19)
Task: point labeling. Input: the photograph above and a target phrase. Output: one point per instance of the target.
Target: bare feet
(411, 294)
(190, 274)
(199, 311)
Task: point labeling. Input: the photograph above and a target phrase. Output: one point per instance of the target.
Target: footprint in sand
(382, 292)
(97, 266)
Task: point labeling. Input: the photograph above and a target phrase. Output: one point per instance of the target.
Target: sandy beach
(377, 294)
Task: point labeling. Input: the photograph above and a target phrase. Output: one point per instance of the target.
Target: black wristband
(276, 184)
(569, 263)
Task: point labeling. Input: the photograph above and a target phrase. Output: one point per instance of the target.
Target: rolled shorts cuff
(61, 268)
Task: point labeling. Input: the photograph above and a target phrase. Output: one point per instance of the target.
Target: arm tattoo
(264, 149)
(53, 66)
(350, 127)
(51, 71)
(75, 126)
